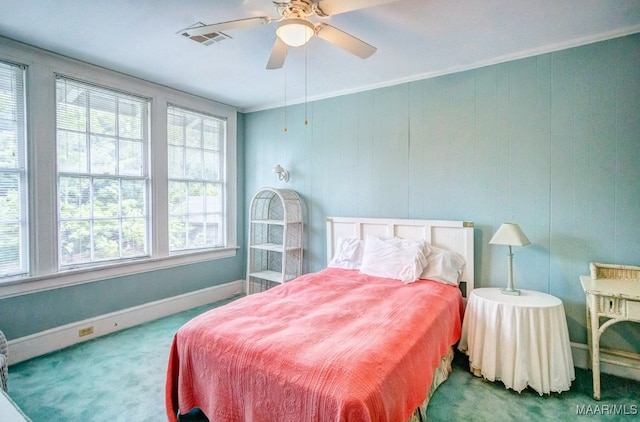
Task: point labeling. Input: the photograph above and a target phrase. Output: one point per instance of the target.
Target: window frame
(22, 172)
(41, 70)
(222, 180)
(93, 176)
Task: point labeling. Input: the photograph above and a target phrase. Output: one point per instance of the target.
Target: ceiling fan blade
(333, 7)
(344, 40)
(278, 54)
(225, 26)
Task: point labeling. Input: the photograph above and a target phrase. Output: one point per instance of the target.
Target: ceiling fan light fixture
(295, 32)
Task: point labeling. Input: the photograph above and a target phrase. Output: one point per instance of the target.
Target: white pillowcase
(444, 266)
(402, 259)
(348, 254)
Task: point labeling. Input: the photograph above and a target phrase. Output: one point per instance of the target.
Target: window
(13, 173)
(84, 180)
(196, 159)
(101, 140)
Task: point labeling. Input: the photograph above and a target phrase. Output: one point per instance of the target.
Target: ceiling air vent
(205, 39)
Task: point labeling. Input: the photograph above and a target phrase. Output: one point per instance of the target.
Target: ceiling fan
(294, 27)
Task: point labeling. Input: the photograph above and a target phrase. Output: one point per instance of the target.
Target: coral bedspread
(329, 346)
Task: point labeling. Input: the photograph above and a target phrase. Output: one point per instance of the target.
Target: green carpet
(120, 377)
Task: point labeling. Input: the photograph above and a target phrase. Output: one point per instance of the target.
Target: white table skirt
(519, 340)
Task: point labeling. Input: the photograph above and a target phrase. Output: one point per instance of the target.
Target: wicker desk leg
(589, 336)
(595, 352)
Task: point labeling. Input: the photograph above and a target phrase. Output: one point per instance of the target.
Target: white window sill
(33, 284)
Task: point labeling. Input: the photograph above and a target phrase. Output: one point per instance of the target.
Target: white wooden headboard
(455, 236)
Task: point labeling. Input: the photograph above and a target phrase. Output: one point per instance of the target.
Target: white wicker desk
(615, 299)
(519, 340)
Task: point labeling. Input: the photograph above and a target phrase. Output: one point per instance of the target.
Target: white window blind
(102, 145)
(13, 173)
(197, 192)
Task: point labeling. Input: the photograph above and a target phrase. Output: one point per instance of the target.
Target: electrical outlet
(85, 331)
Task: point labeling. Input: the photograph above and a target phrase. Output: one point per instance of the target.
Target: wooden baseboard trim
(57, 338)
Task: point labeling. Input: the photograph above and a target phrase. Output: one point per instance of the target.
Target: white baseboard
(615, 362)
(38, 344)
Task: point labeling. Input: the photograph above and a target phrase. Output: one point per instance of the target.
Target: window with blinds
(13, 173)
(102, 149)
(196, 159)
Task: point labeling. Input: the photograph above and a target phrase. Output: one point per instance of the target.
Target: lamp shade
(509, 234)
(295, 32)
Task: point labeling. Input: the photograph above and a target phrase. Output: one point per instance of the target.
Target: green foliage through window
(102, 174)
(13, 173)
(195, 152)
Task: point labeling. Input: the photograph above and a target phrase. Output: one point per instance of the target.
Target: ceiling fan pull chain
(285, 99)
(305, 85)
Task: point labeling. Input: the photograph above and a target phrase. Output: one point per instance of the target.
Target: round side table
(519, 340)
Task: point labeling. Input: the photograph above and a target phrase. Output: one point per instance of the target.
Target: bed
(341, 344)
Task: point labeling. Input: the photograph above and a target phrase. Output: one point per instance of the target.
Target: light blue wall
(551, 142)
(36, 312)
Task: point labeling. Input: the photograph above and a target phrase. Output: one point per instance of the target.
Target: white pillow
(443, 266)
(348, 254)
(402, 259)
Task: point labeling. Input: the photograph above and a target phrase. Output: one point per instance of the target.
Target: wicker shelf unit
(275, 239)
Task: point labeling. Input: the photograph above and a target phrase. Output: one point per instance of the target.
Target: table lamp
(510, 234)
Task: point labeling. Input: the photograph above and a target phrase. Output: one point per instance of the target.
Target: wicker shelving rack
(275, 239)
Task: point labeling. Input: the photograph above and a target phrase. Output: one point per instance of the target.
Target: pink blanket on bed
(330, 346)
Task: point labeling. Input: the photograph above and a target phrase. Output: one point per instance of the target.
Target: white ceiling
(415, 39)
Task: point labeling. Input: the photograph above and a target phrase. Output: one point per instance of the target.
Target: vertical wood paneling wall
(551, 142)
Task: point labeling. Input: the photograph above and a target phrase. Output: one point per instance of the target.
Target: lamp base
(512, 292)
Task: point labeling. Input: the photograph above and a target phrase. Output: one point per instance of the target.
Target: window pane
(196, 191)
(133, 198)
(99, 200)
(211, 134)
(75, 242)
(213, 225)
(106, 239)
(211, 165)
(9, 145)
(72, 152)
(176, 162)
(71, 111)
(133, 237)
(130, 119)
(196, 230)
(106, 198)
(13, 174)
(131, 156)
(194, 163)
(10, 249)
(214, 198)
(103, 155)
(9, 197)
(175, 132)
(193, 131)
(196, 198)
(74, 197)
(177, 233)
(214, 212)
(9, 95)
(102, 111)
(177, 198)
